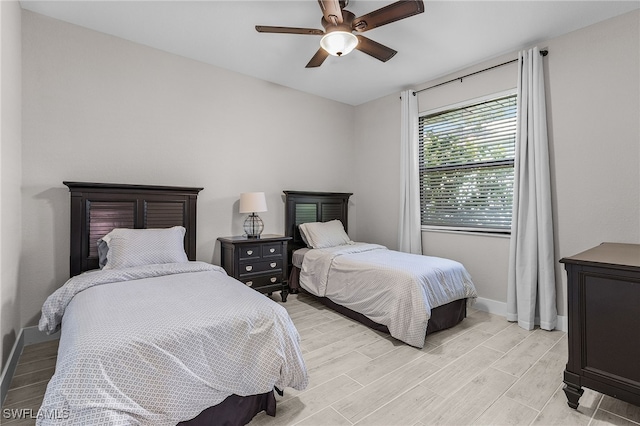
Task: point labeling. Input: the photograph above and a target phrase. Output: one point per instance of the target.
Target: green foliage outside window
(466, 165)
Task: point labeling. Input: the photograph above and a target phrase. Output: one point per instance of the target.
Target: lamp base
(253, 226)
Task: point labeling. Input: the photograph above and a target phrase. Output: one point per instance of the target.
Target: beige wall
(10, 172)
(99, 108)
(592, 79)
(594, 117)
(376, 184)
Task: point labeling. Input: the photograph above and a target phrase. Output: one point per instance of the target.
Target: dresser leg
(284, 294)
(573, 395)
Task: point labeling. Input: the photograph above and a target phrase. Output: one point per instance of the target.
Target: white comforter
(391, 288)
(155, 345)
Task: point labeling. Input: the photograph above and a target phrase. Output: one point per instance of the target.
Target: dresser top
(264, 238)
(613, 254)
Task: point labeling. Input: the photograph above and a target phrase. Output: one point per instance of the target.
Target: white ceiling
(448, 36)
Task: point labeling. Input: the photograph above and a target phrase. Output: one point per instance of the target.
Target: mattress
(158, 344)
(298, 256)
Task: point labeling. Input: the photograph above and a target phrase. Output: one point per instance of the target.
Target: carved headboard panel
(97, 208)
(305, 206)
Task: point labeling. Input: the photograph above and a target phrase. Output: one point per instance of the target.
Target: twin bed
(151, 336)
(405, 295)
(156, 338)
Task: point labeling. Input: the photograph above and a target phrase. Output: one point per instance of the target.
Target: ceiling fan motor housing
(341, 27)
(347, 19)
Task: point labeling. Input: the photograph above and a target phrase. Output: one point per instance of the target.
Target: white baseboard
(500, 308)
(491, 306)
(27, 336)
(10, 366)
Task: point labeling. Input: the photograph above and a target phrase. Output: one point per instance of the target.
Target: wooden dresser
(604, 322)
(260, 263)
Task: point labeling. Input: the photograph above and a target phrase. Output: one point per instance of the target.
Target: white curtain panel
(531, 279)
(410, 233)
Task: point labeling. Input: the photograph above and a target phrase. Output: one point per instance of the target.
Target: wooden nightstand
(260, 263)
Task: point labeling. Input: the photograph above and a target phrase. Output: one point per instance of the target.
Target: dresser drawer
(270, 250)
(250, 252)
(262, 280)
(260, 266)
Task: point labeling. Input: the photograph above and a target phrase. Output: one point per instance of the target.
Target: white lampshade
(339, 43)
(252, 202)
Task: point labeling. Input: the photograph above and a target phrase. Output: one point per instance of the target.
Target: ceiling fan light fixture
(338, 43)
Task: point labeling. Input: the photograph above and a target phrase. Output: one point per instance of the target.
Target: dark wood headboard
(305, 206)
(97, 208)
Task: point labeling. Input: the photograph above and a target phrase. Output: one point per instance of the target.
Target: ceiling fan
(338, 38)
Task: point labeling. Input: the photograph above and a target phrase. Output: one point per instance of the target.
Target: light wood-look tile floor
(35, 368)
(484, 371)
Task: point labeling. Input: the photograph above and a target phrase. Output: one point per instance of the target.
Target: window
(466, 156)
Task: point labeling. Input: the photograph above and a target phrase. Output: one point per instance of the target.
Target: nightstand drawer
(269, 250)
(263, 280)
(260, 266)
(250, 252)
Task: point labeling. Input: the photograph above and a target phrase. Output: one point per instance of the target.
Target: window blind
(466, 160)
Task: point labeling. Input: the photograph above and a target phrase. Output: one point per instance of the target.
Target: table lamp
(252, 202)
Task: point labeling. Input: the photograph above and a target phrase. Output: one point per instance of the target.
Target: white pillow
(325, 234)
(304, 237)
(136, 247)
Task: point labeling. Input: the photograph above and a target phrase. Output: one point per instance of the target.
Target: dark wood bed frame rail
(97, 208)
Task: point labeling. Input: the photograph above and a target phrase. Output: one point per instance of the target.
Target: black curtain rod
(542, 52)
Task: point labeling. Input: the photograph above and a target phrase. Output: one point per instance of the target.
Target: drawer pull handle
(273, 264)
(249, 252)
(249, 283)
(274, 279)
(248, 268)
(271, 250)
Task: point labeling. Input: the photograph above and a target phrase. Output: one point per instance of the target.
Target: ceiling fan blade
(375, 49)
(331, 11)
(386, 15)
(288, 30)
(318, 58)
